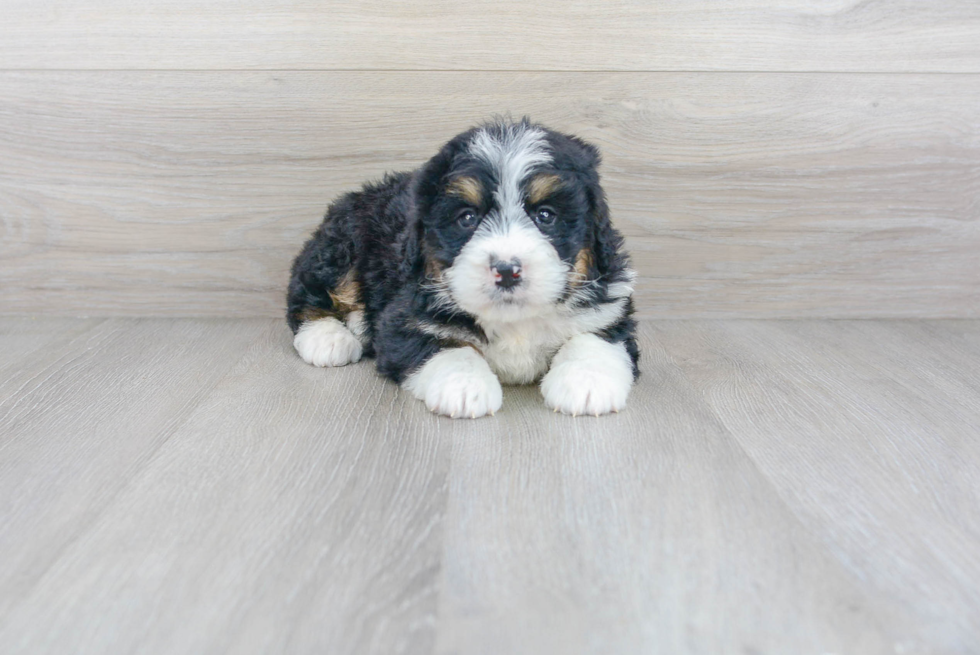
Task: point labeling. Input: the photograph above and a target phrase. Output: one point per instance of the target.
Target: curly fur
(501, 243)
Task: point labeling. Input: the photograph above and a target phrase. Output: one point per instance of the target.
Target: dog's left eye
(545, 216)
(466, 218)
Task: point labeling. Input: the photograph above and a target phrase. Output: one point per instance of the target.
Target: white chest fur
(520, 352)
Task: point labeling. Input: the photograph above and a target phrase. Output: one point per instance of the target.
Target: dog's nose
(507, 274)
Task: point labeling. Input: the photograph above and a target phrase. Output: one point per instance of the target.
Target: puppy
(494, 263)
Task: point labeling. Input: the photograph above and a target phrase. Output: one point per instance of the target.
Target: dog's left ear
(607, 242)
(604, 241)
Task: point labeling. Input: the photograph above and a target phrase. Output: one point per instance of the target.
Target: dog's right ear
(410, 246)
(431, 179)
(429, 185)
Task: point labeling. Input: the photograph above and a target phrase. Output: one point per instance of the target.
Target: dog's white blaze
(588, 376)
(513, 156)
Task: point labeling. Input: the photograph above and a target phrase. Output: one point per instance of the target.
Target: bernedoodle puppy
(493, 263)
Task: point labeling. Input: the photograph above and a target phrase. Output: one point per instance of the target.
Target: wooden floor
(190, 486)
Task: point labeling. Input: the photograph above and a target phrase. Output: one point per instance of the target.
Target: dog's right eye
(466, 218)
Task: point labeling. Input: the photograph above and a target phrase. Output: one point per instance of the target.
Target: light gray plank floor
(190, 486)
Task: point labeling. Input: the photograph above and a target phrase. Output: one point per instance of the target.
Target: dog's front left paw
(457, 382)
(588, 376)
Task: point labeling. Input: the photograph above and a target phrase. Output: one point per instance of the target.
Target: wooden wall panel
(188, 193)
(654, 35)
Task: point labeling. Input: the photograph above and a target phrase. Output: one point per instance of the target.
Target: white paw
(458, 383)
(326, 342)
(588, 376)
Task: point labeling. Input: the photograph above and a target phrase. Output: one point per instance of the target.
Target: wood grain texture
(802, 35)
(64, 455)
(188, 193)
(23, 338)
(649, 532)
(304, 521)
(830, 411)
(794, 486)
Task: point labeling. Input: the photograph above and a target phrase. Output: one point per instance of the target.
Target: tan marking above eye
(467, 188)
(542, 186)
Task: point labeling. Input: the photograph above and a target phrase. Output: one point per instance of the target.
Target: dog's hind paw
(327, 342)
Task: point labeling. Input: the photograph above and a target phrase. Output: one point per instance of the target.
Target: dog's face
(512, 220)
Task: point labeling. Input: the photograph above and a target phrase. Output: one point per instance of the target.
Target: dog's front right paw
(457, 382)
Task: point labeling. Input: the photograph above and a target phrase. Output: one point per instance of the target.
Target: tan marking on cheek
(346, 296)
(542, 186)
(467, 188)
(583, 261)
(432, 267)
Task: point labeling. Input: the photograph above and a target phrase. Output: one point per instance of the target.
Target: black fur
(390, 236)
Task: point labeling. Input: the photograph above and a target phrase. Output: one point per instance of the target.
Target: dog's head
(513, 222)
